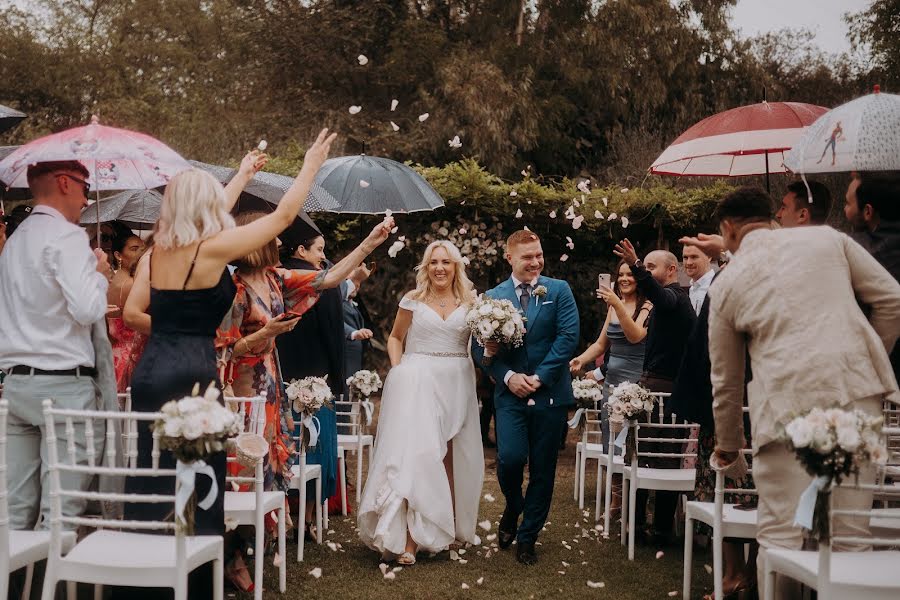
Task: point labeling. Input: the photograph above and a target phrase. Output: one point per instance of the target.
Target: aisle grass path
(352, 572)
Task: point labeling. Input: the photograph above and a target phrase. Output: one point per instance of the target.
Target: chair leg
(688, 556)
(48, 592)
(321, 512)
(598, 495)
(98, 591)
(359, 461)
(607, 501)
(717, 561)
(581, 468)
(72, 590)
(282, 549)
(219, 576)
(770, 582)
(623, 530)
(632, 502)
(181, 588)
(301, 535)
(577, 462)
(29, 579)
(259, 555)
(342, 479)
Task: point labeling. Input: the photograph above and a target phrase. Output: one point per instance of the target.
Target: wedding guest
(697, 266)
(315, 348)
(188, 290)
(797, 210)
(669, 324)
(126, 250)
(623, 335)
(830, 356)
(53, 292)
(106, 237)
(356, 332)
(16, 217)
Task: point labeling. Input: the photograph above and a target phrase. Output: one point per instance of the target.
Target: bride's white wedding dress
(428, 400)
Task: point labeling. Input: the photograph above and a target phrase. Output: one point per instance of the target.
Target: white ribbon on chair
(806, 507)
(186, 474)
(313, 426)
(369, 407)
(575, 420)
(623, 435)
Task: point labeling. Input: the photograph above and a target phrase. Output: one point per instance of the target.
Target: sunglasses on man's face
(83, 182)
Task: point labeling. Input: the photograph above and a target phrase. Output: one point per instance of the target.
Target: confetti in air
(423, 117)
(263, 144)
(455, 143)
(355, 109)
(363, 60)
(363, 183)
(394, 126)
(394, 104)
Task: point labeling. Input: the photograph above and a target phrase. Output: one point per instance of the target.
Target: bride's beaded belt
(444, 354)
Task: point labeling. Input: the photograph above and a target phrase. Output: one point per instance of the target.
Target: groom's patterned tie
(524, 295)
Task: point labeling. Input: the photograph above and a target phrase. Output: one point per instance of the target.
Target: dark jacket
(315, 347)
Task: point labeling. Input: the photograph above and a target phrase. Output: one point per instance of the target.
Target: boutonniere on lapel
(540, 291)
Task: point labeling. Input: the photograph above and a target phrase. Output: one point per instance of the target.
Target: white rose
(816, 419)
(172, 427)
(823, 441)
(508, 329)
(485, 309)
(848, 438)
(485, 329)
(637, 403)
(193, 429)
(878, 455)
(800, 432)
(498, 313)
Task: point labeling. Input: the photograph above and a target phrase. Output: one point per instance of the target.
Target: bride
(424, 483)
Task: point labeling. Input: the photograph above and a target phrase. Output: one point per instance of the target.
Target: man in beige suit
(791, 298)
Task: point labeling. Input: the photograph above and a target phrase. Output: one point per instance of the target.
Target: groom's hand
(521, 385)
(491, 348)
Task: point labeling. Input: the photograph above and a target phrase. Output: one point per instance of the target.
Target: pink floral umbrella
(117, 159)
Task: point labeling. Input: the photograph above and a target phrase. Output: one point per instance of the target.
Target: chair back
(129, 430)
(87, 421)
(252, 411)
(661, 398)
(663, 436)
(348, 415)
(592, 432)
(886, 538)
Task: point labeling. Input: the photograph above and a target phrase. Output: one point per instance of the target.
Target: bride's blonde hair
(462, 285)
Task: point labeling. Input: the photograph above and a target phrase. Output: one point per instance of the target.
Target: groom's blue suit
(531, 433)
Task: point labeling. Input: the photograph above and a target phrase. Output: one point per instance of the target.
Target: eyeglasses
(87, 186)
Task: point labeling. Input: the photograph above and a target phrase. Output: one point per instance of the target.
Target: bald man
(668, 326)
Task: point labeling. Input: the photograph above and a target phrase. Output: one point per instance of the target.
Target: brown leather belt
(77, 371)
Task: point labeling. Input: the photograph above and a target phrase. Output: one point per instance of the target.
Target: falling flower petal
(465, 586)
(525, 227)
(394, 126)
(489, 498)
(395, 248)
(519, 214)
(513, 193)
(624, 221)
(363, 183)
(531, 402)
(569, 243)
(402, 238)
(577, 221)
(673, 593)
(480, 580)
(624, 190)
(598, 214)
(552, 214)
(230, 524)
(394, 104)
(659, 554)
(355, 109)
(276, 560)
(612, 217)
(564, 258)
(250, 551)
(235, 486)
(565, 564)
(486, 524)
(708, 568)
(383, 567)
(595, 584)
(423, 117)
(388, 212)
(362, 59)
(390, 576)
(394, 229)
(524, 173)
(455, 143)
(317, 572)
(263, 144)
(584, 186)
(561, 572)
(332, 546)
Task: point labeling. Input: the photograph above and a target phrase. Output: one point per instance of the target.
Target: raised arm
(398, 335)
(135, 311)
(251, 164)
(237, 242)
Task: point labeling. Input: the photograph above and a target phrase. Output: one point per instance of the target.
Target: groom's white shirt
(516, 284)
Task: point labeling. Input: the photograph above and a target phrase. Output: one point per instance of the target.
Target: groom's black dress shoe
(525, 553)
(507, 529)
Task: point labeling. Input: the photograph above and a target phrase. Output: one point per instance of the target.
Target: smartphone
(604, 280)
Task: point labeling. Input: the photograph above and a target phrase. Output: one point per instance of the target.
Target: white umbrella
(861, 135)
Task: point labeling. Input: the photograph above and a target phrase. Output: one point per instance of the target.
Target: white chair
(129, 431)
(589, 447)
(352, 438)
(873, 574)
(112, 556)
(20, 548)
(251, 507)
(671, 479)
(303, 473)
(726, 521)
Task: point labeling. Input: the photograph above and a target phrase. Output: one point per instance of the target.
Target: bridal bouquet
(193, 429)
(492, 320)
(831, 444)
(365, 382)
(307, 396)
(587, 394)
(627, 403)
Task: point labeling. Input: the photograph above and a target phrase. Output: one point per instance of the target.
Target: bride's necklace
(443, 302)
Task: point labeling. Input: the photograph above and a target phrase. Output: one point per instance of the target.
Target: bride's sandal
(406, 559)
(456, 546)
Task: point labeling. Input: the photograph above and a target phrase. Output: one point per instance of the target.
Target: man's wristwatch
(639, 264)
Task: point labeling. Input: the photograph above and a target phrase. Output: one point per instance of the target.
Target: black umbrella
(138, 209)
(262, 194)
(9, 118)
(372, 185)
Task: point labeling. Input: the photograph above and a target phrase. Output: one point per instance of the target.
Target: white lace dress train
(428, 400)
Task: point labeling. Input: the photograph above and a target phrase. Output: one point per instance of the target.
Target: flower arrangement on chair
(308, 395)
(366, 383)
(588, 393)
(831, 445)
(628, 402)
(194, 428)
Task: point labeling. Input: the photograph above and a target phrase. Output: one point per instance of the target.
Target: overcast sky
(823, 17)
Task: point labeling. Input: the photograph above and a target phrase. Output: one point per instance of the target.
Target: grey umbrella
(139, 209)
(9, 118)
(372, 185)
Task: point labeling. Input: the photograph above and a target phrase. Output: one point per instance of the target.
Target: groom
(533, 390)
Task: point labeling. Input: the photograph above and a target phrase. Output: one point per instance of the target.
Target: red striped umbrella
(748, 140)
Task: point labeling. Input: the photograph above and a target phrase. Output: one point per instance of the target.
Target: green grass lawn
(352, 571)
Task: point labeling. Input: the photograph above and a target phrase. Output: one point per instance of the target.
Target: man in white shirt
(697, 266)
(52, 289)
